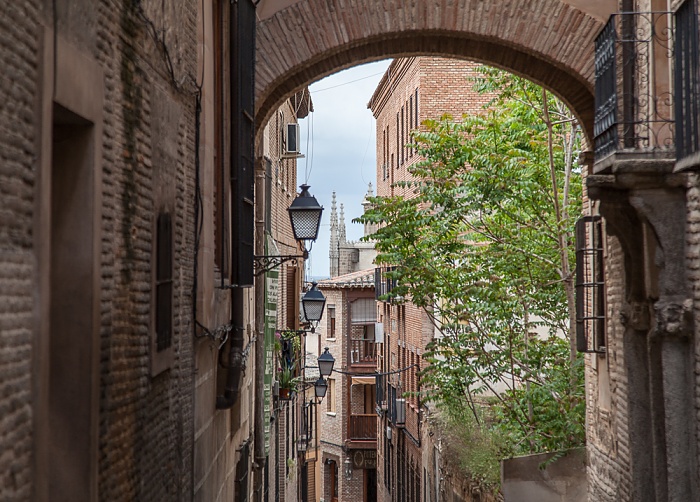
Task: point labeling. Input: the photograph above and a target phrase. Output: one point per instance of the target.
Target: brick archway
(547, 41)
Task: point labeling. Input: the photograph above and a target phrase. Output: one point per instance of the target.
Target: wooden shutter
(164, 282)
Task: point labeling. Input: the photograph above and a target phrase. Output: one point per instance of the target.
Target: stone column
(646, 210)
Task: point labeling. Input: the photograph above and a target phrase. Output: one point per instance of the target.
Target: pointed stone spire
(341, 229)
(370, 228)
(333, 245)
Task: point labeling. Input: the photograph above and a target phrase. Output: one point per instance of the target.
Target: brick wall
(157, 437)
(442, 86)
(411, 91)
(20, 57)
(330, 36)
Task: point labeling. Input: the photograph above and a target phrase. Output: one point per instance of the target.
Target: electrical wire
(393, 372)
(349, 82)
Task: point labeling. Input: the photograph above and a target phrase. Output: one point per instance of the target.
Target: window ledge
(331, 339)
(331, 413)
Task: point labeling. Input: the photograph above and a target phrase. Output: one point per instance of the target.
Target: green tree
(484, 245)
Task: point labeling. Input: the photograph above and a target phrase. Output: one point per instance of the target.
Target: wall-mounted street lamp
(312, 303)
(326, 361)
(348, 467)
(305, 216)
(320, 388)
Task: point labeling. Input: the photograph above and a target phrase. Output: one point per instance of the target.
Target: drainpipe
(259, 411)
(235, 355)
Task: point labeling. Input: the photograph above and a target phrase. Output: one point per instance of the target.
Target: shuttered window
(363, 310)
(164, 282)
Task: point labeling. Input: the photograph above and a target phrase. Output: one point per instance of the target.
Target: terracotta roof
(360, 279)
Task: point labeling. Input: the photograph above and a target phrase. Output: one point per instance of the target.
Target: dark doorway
(72, 340)
(370, 485)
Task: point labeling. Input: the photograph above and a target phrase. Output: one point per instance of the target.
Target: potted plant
(287, 382)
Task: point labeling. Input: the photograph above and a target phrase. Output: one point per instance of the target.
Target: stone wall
(124, 82)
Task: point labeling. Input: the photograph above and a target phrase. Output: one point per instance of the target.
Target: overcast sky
(338, 140)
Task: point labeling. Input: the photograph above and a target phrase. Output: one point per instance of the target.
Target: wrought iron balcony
(633, 88)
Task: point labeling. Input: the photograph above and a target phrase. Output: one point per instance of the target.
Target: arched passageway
(548, 41)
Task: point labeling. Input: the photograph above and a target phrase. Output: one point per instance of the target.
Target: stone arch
(548, 41)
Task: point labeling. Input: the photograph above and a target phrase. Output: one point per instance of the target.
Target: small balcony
(362, 431)
(633, 92)
(363, 353)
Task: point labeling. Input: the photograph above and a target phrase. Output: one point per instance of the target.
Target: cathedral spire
(370, 228)
(334, 244)
(341, 228)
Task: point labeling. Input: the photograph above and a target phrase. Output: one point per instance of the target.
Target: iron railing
(633, 91)
(362, 427)
(686, 81)
(383, 284)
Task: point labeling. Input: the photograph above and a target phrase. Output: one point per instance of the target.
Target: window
(363, 310)
(398, 141)
(687, 81)
(331, 321)
(415, 109)
(403, 135)
(590, 285)
(410, 114)
(331, 396)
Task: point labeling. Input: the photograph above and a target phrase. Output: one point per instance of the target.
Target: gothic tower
(333, 251)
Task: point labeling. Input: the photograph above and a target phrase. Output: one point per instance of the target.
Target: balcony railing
(363, 352)
(383, 284)
(633, 89)
(362, 427)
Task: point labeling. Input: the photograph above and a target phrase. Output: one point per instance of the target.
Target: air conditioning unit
(400, 411)
(292, 140)
(378, 332)
(384, 405)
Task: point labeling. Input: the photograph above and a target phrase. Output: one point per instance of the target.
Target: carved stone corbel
(673, 317)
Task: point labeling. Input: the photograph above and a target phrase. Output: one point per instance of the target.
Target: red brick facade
(411, 91)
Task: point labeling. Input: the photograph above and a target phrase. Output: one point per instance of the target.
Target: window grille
(590, 286)
(687, 81)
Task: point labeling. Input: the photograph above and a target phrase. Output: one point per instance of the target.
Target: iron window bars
(590, 286)
(633, 98)
(686, 81)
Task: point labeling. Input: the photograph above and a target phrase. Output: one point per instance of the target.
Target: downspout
(235, 355)
(259, 411)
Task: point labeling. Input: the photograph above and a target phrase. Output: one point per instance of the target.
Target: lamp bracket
(265, 263)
